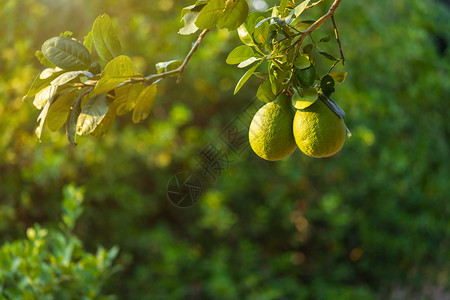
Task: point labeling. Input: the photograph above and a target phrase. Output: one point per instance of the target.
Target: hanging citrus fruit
(270, 132)
(318, 131)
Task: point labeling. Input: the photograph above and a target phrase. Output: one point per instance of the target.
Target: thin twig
(316, 25)
(319, 22)
(314, 4)
(180, 69)
(191, 53)
(336, 33)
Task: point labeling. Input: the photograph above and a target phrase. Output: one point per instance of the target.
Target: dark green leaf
(327, 55)
(144, 103)
(234, 14)
(338, 76)
(327, 85)
(71, 126)
(66, 53)
(240, 54)
(302, 61)
(308, 49)
(210, 14)
(265, 93)
(105, 38)
(333, 106)
(93, 113)
(325, 39)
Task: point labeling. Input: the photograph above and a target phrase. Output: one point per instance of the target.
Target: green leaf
(104, 85)
(68, 76)
(41, 57)
(210, 14)
(261, 34)
(144, 103)
(339, 76)
(166, 66)
(60, 108)
(309, 97)
(93, 113)
(71, 125)
(189, 23)
(276, 77)
(41, 99)
(41, 81)
(248, 62)
(66, 53)
(325, 39)
(297, 11)
(245, 77)
(244, 36)
(283, 4)
(240, 54)
(234, 15)
(327, 85)
(126, 97)
(66, 34)
(265, 93)
(308, 49)
(115, 73)
(119, 67)
(327, 55)
(302, 61)
(105, 38)
(89, 41)
(41, 118)
(107, 122)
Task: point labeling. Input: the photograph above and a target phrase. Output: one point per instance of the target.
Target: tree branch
(191, 53)
(336, 33)
(183, 66)
(319, 22)
(314, 4)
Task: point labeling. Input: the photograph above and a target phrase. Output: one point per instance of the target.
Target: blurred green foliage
(369, 223)
(51, 264)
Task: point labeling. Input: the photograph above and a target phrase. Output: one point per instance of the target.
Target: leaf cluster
(76, 92)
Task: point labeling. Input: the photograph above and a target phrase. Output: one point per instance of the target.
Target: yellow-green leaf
(144, 103)
(105, 38)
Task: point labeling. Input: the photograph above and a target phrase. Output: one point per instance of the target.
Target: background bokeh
(369, 223)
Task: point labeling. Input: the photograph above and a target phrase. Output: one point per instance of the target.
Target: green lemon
(318, 131)
(270, 132)
(306, 76)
